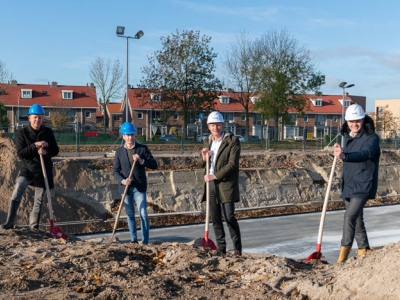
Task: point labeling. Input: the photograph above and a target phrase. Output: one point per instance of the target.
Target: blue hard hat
(36, 109)
(127, 128)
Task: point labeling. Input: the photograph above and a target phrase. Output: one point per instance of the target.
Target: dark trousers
(353, 224)
(228, 211)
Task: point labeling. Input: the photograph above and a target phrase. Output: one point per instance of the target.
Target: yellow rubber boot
(343, 254)
(363, 251)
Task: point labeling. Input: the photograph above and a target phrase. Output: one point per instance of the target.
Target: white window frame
(26, 93)
(318, 102)
(335, 119)
(67, 94)
(176, 116)
(255, 99)
(86, 114)
(139, 116)
(346, 103)
(47, 112)
(243, 117)
(118, 117)
(155, 97)
(223, 99)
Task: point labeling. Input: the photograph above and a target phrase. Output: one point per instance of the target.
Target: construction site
(35, 265)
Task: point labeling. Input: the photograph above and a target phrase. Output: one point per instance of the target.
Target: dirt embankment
(35, 266)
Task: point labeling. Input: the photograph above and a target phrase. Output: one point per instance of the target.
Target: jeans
(140, 199)
(228, 210)
(353, 224)
(20, 187)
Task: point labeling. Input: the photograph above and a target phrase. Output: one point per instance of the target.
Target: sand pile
(35, 266)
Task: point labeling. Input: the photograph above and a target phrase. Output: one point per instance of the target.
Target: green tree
(182, 73)
(240, 65)
(109, 82)
(286, 73)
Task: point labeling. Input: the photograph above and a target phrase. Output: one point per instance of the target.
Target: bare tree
(5, 76)
(108, 80)
(286, 73)
(183, 73)
(241, 64)
(385, 121)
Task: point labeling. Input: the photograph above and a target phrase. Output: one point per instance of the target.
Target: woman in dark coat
(359, 182)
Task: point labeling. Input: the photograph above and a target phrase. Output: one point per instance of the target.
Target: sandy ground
(33, 265)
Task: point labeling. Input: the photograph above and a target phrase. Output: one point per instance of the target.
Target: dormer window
(224, 99)
(347, 103)
(255, 99)
(66, 94)
(316, 102)
(26, 93)
(155, 97)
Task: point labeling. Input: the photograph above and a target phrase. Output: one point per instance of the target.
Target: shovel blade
(57, 233)
(315, 255)
(207, 243)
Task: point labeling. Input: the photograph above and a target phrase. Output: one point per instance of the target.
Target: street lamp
(138, 35)
(344, 86)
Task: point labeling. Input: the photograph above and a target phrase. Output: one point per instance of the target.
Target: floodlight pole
(138, 35)
(344, 86)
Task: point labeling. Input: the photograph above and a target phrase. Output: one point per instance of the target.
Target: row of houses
(324, 116)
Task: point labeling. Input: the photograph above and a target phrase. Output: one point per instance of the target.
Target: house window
(318, 102)
(224, 99)
(176, 116)
(66, 94)
(155, 97)
(320, 119)
(72, 113)
(117, 117)
(227, 117)
(346, 103)
(243, 117)
(47, 113)
(88, 115)
(139, 116)
(255, 99)
(334, 119)
(23, 112)
(305, 118)
(25, 93)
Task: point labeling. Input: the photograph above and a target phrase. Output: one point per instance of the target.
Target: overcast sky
(354, 41)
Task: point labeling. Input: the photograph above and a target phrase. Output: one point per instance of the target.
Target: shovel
(110, 239)
(317, 254)
(205, 242)
(54, 230)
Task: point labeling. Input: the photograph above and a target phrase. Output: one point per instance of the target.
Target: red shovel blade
(205, 242)
(315, 255)
(208, 244)
(56, 231)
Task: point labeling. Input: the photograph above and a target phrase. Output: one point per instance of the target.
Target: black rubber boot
(12, 212)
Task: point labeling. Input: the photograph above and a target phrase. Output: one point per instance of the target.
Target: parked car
(168, 137)
(241, 139)
(254, 138)
(298, 138)
(202, 137)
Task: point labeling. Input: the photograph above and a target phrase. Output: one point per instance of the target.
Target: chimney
(14, 83)
(229, 90)
(54, 84)
(92, 85)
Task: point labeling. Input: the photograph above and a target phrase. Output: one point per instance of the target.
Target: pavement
(292, 236)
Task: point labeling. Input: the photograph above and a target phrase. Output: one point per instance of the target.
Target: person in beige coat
(224, 151)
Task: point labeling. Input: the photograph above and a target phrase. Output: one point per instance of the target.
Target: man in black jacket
(32, 141)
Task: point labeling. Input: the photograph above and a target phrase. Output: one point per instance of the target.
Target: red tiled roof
(330, 103)
(114, 108)
(48, 96)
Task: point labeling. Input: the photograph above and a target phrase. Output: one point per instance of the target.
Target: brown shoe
(237, 252)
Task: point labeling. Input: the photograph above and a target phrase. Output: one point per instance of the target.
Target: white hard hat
(354, 112)
(215, 117)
